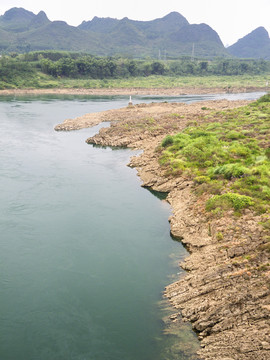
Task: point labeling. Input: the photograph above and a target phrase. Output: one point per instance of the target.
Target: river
(85, 251)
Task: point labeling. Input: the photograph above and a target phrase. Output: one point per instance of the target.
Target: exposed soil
(226, 292)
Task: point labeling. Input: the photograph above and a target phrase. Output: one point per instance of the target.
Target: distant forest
(22, 69)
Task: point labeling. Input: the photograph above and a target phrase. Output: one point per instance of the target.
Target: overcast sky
(232, 19)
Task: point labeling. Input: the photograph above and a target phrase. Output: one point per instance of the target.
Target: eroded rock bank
(226, 291)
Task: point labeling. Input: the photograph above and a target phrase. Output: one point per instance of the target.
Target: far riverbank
(173, 91)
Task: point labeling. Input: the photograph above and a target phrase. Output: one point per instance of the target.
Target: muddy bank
(133, 91)
(225, 293)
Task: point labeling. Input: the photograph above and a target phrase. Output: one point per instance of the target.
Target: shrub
(229, 200)
(264, 98)
(230, 171)
(167, 141)
(239, 150)
(265, 192)
(234, 135)
(202, 179)
(213, 126)
(219, 236)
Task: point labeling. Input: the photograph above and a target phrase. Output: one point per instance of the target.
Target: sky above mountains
(232, 19)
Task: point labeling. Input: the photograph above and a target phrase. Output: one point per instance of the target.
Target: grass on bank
(42, 81)
(158, 81)
(227, 156)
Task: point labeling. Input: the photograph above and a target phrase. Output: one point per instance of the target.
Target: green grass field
(226, 82)
(40, 80)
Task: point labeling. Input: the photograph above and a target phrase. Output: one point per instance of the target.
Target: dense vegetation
(50, 68)
(227, 156)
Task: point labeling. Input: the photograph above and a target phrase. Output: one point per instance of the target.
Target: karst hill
(170, 36)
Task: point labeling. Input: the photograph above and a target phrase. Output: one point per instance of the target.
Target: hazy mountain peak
(254, 45)
(261, 31)
(39, 20)
(42, 15)
(17, 14)
(197, 33)
(22, 30)
(175, 16)
(19, 20)
(259, 34)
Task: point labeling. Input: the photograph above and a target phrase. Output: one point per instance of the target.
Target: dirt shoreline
(132, 91)
(228, 305)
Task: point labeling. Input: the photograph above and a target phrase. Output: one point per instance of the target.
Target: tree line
(107, 67)
(78, 65)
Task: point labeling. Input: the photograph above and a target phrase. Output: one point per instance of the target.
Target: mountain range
(170, 36)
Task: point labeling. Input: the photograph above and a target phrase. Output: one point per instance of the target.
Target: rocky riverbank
(225, 293)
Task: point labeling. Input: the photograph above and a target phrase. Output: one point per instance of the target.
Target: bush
(239, 150)
(202, 179)
(234, 135)
(264, 98)
(167, 141)
(219, 236)
(230, 171)
(229, 200)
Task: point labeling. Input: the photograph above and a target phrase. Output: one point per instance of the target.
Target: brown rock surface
(226, 291)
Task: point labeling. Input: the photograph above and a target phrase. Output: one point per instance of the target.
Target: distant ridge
(169, 36)
(169, 23)
(149, 38)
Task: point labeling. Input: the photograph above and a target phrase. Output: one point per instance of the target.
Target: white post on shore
(130, 101)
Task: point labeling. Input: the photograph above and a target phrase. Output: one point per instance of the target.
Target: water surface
(85, 251)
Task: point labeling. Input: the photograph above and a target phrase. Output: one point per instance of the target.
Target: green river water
(85, 251)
